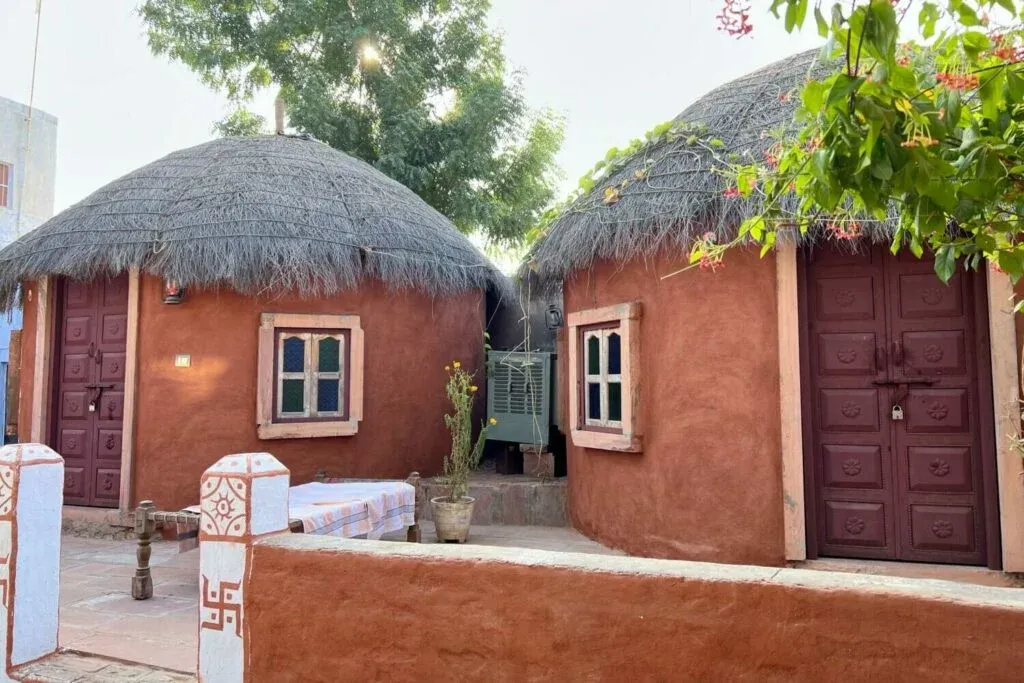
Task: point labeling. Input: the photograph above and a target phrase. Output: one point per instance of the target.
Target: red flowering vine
(734, 19)
(956, 81)
(845, 230)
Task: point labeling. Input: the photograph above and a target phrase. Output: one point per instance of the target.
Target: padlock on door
(897, 412)
(92, 406)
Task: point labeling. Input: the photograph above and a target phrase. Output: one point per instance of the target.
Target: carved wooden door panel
(934, 363)
(89, 388)
(852, 439)
(896, 409)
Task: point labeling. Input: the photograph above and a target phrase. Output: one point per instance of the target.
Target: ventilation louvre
(519, 396)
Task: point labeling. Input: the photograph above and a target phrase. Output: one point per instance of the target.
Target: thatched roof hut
(244, 295)
(756, 412)
(680, 192)
(254, 214)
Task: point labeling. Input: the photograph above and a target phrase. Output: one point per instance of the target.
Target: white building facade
(28, 171)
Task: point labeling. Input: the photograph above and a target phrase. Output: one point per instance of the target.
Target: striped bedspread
(353, 509)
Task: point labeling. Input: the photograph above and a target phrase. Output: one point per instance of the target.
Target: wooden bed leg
(142, 582)
(413, 534)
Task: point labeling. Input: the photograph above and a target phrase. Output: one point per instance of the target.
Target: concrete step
(511, 499)
(69, 666)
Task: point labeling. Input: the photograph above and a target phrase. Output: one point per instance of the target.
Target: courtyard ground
(99, 616)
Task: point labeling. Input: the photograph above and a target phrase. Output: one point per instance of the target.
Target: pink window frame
(626, 318)
(6, 171)
(270, 428)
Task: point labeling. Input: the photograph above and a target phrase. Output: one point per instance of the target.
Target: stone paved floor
(99, 616)
(74, 667)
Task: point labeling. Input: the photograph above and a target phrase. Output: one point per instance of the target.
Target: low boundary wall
(330, 609)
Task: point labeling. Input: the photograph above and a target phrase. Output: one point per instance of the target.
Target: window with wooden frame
(310, 375)
(604, 348)
(6, 180)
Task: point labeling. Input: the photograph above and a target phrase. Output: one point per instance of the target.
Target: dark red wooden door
(885, 335)
(90, 364)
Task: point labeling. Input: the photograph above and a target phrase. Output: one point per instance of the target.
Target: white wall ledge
(931, 589)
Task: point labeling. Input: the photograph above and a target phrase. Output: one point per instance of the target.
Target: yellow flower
(493, 421)
(473, 388)
(457, 365)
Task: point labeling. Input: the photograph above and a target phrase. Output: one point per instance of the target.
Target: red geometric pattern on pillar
(224, 604)
(5, 573)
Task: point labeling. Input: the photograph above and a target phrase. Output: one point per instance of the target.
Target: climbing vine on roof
(615, 160)
(933, 132)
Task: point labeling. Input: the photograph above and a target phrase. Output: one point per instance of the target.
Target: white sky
(614, 68)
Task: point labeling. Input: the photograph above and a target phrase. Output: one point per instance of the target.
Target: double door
(900, 401)
(89, 388)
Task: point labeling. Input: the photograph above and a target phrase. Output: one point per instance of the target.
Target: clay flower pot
(452, 520)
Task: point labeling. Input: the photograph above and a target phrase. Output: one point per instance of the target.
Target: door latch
(897, 412)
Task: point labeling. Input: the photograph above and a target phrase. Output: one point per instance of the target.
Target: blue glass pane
(594, 401)
(330, 359)
(294, 355)
(293, 396)
(614, 401)
(614, 354)
(327, 396)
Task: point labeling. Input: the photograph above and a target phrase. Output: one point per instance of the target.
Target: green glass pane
(330, 357)
(293, 396)
(593, 356)
(615, 401)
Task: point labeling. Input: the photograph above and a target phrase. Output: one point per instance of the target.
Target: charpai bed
(350, 508)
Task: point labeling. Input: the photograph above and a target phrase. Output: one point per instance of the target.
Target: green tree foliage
(932, 131)
(240, 123)
(418, 88)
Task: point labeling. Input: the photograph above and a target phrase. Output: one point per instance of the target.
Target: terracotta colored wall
(188, 418)
(28, 361)
(349, 616)
(708, 484)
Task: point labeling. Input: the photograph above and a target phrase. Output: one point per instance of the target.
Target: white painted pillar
(242, 498)
(31, 495)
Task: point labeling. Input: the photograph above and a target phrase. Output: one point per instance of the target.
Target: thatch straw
(679, 195)
(254, 214)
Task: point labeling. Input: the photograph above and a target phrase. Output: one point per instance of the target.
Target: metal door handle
(99, 356)
(879, 358)
(927, 381)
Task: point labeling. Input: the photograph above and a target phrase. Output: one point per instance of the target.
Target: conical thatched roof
(674, 183)
(254, 214)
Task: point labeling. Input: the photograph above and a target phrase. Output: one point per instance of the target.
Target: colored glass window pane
(594, 356)
(330, 355)
(594, 401)
(614, 354)
(294, 355)
(615, 401)
(293, 398)
(327, 396)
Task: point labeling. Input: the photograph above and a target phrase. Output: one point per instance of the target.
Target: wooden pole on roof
(279, 116)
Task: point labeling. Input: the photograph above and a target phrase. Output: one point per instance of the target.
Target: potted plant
(453, 511)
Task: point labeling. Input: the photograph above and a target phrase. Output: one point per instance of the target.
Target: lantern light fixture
(173, 292)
